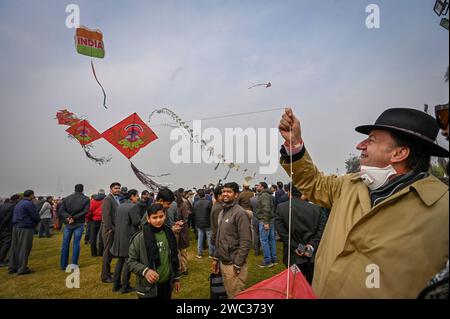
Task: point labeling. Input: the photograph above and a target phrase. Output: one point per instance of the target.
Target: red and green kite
(130, 135)
(84, 132)
(66, 117)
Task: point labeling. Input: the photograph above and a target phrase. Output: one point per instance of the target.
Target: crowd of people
(392, 214)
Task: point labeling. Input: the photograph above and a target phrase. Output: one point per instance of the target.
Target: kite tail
(97, 160)
(104, 94)
(146, 179)
(225, 178)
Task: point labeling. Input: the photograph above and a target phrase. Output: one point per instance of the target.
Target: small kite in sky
(267, 85)
(90, 42)
(66, 117)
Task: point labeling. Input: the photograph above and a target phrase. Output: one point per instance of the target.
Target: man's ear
(401, 154)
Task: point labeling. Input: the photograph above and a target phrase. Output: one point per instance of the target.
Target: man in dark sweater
(202, 213)
(73, 210)
(6, 227)
(25, 219)
(307, 225)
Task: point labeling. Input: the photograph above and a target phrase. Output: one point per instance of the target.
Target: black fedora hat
(414, 124)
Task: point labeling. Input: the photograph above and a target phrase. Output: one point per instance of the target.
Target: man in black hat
(387, 232)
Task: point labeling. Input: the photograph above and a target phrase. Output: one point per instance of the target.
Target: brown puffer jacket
(234, 237)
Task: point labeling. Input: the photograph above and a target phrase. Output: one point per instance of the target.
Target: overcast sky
(198, 58)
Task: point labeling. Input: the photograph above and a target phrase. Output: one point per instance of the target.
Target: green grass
(50, 282)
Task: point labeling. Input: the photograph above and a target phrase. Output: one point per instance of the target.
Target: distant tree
(352, 164)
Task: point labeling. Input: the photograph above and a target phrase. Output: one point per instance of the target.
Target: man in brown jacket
(233, 242)
(387, 231)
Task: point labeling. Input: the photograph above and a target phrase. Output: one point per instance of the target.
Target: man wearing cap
(387, 232)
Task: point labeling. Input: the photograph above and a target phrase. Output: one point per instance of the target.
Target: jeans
(268, 243)
(77, 232)
(201, 238)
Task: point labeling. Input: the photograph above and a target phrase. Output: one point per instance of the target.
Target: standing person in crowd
(437, 287)
(142, 204)
(45, 214)
(215, 211)
(109, 212)
(307, 225)
(94, 218)
(385, 215)
(123, 194)
(25, 219)
(127, 224)
(153, 257)
(264, 212)
(59, 213)
(279, 194)
(74, 209)
(146, 198)
(38, 202)
(202, 211)
(181, 230)
(245, 196)
(233, 242)
(255, 223)
(6, 227)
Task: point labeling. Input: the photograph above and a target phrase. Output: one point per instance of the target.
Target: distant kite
(66, 117)
(90, 42)
(267, 85)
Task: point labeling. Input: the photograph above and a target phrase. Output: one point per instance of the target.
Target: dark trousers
(44, 227)
(307, 271)
(22, 242)
(108, 240)
(5, 244)
(95, 228)
(164, 291)
(121, 265)
(256, 241)
(87, 235)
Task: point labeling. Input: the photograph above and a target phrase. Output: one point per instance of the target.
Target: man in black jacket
(6, 227)
(307, 225)
(73, 210)
(202, 213)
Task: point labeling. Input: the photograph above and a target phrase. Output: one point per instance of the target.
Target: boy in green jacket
(153, 257)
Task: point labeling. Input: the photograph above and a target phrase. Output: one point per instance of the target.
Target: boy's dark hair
(15, 197)
(154, 208)
(49, 199)
(280, 185)
(114, 184)
(201, 193)
(217, 192)
(263, 184)
(40, 197)
(419, 157)
(166, 195)
(132, 192)
(234, 186)
(28, 193)
(145, 192)
(79, 188)
(286, 188)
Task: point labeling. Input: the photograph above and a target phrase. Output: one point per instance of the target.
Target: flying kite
(267, 85)
(90, 42)
(85, 133)
(66, 117)
(129, 136)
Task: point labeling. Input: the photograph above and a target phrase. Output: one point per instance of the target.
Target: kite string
(230, 115)
(290, 214)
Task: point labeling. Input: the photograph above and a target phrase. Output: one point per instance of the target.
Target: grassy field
(49, 280)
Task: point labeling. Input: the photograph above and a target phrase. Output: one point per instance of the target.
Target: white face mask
(375, 177)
